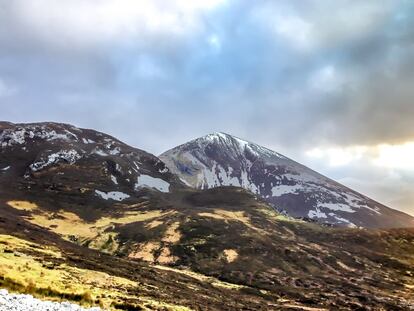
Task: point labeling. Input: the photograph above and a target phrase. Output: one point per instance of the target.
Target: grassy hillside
(223, 242)
(61, 236)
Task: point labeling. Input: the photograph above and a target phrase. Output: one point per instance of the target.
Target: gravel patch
(21, 302)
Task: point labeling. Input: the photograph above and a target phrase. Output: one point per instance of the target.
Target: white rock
(21, 302)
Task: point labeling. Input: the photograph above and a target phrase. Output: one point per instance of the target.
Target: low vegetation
(35, 270)
(219, 249)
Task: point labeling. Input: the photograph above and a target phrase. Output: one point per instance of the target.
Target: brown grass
(230, 255)
(23, 205)
(69, 224)
(172, 235)
(145, 251)
(33, 274)
(232, 216)
(154, 224)
(165, 257)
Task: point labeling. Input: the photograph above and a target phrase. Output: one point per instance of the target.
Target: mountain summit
(221, 159)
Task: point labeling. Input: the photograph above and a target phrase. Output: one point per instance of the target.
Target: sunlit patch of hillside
(41, 271)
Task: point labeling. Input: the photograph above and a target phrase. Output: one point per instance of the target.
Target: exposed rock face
(223, 160)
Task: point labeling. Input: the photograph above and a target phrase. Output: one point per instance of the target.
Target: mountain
(221, 159)
(76, 224)
(53, 155)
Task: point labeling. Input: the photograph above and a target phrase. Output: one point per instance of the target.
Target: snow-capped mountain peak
(232, 146)
(220, 159)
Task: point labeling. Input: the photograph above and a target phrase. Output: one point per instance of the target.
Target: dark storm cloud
(365, 99)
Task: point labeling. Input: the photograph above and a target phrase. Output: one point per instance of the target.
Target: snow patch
(245, 183)
(277, 191)
(113, 195)
(164, 170)
(5, 169)
(209, 178)
(99, 152)
(71, 134)
(114, 180)
(115, 151)
(343, 220)
(226, 178)
(375, 209)
(337, 207)
(316, 214)
(88, 141)
(185, 182)
(358, 202)
(69, 156)
(146, 181)
(10, 137)
(118, 167)
(136, 169)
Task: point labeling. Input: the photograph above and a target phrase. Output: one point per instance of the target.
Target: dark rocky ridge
(59, 154)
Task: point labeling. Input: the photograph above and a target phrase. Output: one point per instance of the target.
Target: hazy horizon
(326, 84)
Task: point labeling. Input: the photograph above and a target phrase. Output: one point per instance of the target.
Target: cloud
(385, 172)
(323, 65)
(291, 75)
(385, 156)
(396, 156)
(6, 89)
(340, 156)
(310, 25)
(84, 24)
(325, 80)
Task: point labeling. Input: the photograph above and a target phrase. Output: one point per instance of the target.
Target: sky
(327, 83)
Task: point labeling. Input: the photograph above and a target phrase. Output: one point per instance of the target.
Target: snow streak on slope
(223, 160)
(112, 195)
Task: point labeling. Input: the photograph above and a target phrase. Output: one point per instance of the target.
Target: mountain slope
(36, 151)
(222, 244)
(214, 249)
(223, 160)
(37, 261)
